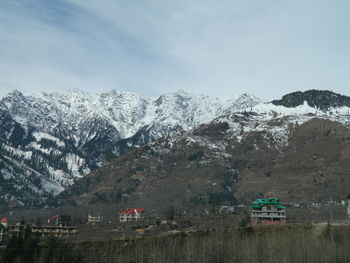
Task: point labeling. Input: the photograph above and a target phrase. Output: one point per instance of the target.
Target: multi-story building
(94, 219)
(15, 230)
(268, 211)
(57, 231)
(131, 214)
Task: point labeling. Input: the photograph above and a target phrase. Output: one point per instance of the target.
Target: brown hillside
(314, 165)
(210, 166)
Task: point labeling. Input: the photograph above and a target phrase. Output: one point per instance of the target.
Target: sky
(219, 48)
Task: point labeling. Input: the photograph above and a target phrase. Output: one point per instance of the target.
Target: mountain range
(191, 149)
(48, 141)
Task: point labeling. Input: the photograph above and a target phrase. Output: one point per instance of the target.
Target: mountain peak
(14, 97)
(14, 94)
(76, 91)
(319, 99)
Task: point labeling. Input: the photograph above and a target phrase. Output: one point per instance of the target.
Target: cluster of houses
(125, 215)
(58, 226)
(313, 204)
(61, 226)
(265, 211)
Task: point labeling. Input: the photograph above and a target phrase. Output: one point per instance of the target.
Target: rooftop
(132, 210)
(260, 202)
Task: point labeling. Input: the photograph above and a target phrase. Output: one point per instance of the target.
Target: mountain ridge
(64, 136)
(49, 141)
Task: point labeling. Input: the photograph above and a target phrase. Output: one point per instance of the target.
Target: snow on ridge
(60, 176)
(271, 109)
(277, 121)
(47, 184)
(74, 164)
(42, 135)
(38, 147)
(51, 186)
(15, 151)
(127, 112)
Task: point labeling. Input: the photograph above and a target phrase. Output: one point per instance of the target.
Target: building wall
(94, 219)
(45, 231)
(268, 214)
(125, 217)
(2, 234)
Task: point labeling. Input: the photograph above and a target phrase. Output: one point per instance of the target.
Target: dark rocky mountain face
(171, 171)
(319, 99)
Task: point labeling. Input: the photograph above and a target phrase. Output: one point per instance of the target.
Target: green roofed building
(268, 211)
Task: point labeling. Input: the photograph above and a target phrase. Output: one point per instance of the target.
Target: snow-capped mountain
(296, 153)
(50, 140)
(125, 112)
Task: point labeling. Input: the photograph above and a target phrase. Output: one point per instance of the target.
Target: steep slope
(47, 141)
(296, 154)
(313, 166)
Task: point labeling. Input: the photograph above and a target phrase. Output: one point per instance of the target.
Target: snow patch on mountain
(74, 163)
(46, 185)
(42, 135)
(17, 152)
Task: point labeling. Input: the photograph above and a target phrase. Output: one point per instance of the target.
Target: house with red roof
(131, 214)
(4, 221)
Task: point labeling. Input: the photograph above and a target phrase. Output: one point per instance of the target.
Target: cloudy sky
(218, 48)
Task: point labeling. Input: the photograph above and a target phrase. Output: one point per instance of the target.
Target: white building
(93, 219)
(131, 214)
